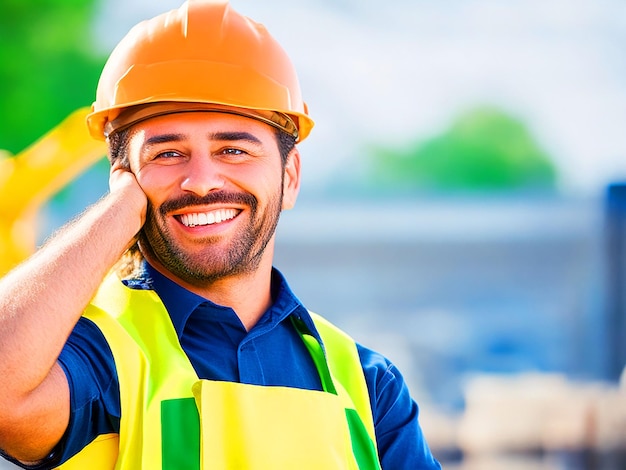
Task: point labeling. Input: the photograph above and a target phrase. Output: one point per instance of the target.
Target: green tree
(484, 150)
(47, 66)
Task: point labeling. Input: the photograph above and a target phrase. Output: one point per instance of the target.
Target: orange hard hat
(203, 55)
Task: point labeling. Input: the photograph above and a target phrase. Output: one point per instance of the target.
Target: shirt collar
(181, 303)
(178, 301)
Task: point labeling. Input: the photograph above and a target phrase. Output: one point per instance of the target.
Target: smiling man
(153, 331)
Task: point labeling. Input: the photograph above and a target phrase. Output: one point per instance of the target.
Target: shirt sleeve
(88, 363)
(399, 437)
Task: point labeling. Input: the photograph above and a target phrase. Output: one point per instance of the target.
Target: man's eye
(169, 154)
(233, 152)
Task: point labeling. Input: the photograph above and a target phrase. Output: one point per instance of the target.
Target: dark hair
(286, 143)
(118, 147)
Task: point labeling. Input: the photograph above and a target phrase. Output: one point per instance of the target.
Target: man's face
(215, 186)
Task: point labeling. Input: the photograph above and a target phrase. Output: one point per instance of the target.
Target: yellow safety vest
(172, 420)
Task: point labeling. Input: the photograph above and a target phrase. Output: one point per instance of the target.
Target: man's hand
(122, 183)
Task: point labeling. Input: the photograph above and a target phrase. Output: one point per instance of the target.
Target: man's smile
(193, 219)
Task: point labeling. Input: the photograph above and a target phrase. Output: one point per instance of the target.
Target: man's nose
(203, 175)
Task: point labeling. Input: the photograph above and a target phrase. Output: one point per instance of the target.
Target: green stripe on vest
(180, 435)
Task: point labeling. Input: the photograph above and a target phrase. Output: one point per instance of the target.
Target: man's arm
(401, 442)
(40, 302)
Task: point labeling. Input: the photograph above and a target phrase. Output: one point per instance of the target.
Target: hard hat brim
(139, 113)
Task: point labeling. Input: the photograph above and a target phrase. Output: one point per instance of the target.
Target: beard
(211, 262)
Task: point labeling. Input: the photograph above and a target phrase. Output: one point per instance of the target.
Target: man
(201, 357)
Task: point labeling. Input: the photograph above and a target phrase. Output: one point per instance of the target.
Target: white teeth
(207, 218)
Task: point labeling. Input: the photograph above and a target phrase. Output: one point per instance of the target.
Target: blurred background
(463, 204)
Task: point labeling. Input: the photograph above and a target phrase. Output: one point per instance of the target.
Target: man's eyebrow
(218, 136)
(163, 139)
(235, 136)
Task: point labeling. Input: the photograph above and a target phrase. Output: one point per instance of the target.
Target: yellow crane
(30, 178)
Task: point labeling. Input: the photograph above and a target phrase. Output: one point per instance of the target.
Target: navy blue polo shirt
(220, 348)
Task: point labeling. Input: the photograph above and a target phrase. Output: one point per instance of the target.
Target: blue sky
(401, 70)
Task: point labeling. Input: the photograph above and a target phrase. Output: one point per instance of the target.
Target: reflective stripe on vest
(159, 386)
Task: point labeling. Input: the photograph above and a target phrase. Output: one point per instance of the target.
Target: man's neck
(248, 294)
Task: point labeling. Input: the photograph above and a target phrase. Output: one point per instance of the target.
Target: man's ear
(291, 185)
